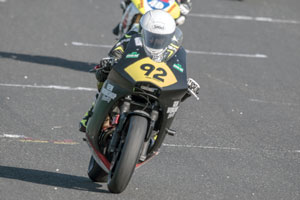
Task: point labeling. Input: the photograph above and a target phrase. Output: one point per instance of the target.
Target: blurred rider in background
(184, 5)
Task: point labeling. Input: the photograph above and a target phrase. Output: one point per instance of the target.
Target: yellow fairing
(173, 9)
(139, 4)
(146, 70)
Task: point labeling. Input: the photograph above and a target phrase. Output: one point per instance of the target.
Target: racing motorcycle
(133, 114)
(134, 11)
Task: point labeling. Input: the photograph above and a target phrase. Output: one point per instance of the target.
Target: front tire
(124, 165)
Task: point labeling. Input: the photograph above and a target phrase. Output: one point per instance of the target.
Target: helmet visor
(156, 41)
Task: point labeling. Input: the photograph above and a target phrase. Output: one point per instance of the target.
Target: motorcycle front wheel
(124, 165)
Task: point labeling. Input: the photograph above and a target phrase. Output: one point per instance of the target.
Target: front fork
(117, 133)
(152, 118)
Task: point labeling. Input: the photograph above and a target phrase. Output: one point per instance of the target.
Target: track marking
(273, 102)
(91, 45)
(245, 18)
(227, 148)
(227, 54)
(33, 140)
(57, 87)
(201, 147)
(22, 138)
(188, 51)
(12, 136)
(295, 151)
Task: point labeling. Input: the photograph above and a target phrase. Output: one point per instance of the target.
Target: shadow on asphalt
(50, 178)
(48, 60)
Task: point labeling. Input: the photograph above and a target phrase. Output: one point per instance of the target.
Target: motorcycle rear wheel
(124, 166)
(95, 172)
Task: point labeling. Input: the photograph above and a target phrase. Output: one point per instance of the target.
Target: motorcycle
(133, 113)
(134, 11)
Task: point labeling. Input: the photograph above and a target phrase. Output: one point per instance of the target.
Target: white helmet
(158, 28)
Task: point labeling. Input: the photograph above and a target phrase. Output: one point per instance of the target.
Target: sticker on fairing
(107, 94)
(172, 110)
(138, 41)
(133, 55)
(178, 67)
(146, 70)
(159, 4)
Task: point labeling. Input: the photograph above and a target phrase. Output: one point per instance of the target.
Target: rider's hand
(103, 68)
(105, 64)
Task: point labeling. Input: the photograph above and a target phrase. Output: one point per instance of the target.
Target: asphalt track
(240, 141)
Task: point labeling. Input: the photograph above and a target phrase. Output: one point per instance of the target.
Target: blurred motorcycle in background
(134, 11)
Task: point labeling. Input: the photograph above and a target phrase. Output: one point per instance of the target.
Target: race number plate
(146, 70)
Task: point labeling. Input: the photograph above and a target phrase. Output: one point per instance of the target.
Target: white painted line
(2, 1)
(188, 51)
(273, 102)
(223, 148)
(91, 45)
(295, 151)
(246, 18)
(12, 136)
(228, 54)
(201, 147)
(57, 87)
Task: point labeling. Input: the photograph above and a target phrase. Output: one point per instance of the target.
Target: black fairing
(178, 58)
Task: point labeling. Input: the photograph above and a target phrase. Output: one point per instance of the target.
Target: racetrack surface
(240, 141)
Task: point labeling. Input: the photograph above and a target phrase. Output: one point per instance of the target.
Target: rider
(184, 5)
(159, 37)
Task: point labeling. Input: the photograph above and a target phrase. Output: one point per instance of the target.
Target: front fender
(108, 96)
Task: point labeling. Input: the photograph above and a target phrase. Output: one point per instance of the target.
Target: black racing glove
(102, 70)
